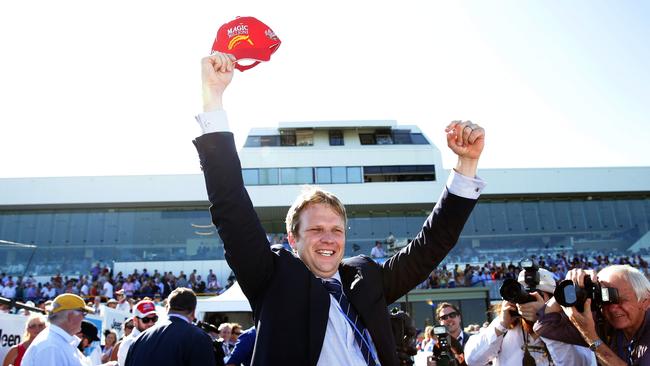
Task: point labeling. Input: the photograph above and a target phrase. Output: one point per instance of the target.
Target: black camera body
(442, 353)
(568, 293)
(511, 290)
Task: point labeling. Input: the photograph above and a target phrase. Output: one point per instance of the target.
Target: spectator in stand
(213, 284)
(122, 301)
(377, 251)
(35, 324)
(107, 289)
(9, 290)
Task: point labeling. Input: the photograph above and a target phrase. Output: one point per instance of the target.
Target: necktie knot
(333, 286)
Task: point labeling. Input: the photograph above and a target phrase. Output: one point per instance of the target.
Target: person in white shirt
(9, 291)
(509, 339)
(377, 251)
(122, 303)
(144, 317)
(57, 345)
(107, 289)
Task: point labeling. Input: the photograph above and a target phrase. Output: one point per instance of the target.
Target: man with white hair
(57, 345)
(510, 339)
(626, 337)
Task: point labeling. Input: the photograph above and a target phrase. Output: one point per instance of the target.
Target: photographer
(447, 350)
(510, 339)
(625, 337)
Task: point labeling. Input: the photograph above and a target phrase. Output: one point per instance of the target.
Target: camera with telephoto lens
(511, 290)
(442, 353)
(569, 294)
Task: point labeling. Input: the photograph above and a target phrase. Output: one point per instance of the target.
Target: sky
(111, 88)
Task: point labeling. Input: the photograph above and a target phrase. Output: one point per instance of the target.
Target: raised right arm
(247, 250)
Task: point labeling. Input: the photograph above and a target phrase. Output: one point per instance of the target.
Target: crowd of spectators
(469, 275)
(101, 285)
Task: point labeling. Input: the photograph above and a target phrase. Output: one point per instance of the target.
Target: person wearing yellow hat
(57, 345)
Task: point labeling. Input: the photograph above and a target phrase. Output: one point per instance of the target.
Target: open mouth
(325, 253)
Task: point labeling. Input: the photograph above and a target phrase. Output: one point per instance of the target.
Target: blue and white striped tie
(335, 288)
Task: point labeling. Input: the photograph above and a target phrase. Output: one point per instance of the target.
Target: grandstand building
(388, 175)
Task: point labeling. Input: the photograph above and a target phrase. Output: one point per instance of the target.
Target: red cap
(144, 308)
(246, 38)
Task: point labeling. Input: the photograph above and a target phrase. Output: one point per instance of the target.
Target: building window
(250, 176)
(324, 175)
(339, 174)
(418, 139)
(305, 138)
(401, 137)
(252, 141)
(399, 173)
(336, 138)
(354, 174)
(288, 138)
(367, 139)
(269, 176)
(383, 137)
(297, 175)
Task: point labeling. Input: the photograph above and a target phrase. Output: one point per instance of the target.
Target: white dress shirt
(54, 347)
(125, 345)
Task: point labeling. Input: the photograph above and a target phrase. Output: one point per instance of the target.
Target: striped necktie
(335, 288)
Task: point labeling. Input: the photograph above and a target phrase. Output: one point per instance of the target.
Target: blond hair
(311, 195)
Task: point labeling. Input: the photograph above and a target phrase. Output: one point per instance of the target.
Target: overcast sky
(111, 88)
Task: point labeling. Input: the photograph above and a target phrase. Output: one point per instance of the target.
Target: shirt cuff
(214, 121)
(465, 187)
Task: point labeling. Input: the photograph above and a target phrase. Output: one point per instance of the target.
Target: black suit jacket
(172, 344)
(288, 301)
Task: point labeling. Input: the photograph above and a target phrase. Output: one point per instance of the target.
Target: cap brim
(88, 309)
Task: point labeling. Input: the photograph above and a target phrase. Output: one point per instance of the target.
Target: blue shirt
(243, 351)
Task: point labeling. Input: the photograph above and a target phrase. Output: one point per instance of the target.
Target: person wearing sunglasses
(144, 317)
(449, 316)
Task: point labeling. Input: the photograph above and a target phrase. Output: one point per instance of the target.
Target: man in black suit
(333, 310)
(177, 342)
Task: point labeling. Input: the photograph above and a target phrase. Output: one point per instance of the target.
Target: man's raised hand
(216, 74)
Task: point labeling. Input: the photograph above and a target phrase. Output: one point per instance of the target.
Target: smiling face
(320, 242)
(629, 313)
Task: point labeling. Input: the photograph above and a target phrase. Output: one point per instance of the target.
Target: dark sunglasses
(147, 320)
(451, 315)
(237, 333)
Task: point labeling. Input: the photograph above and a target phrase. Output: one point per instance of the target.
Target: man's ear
(292, 242)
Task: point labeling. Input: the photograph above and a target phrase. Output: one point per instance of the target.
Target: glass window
(305, 175)
(402, 137)
(270, 140)
(288, 138)
(367, 139)
(305, 137)
(339, 174)
(324, 175)
(354, 174)
(269, 176)
(384, 139)
(288, 175)
(418, 139)
(336, 138)
(250, 177)
(253, 141)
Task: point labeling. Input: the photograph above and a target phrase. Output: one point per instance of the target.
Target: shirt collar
(72, 340)
(178, 316)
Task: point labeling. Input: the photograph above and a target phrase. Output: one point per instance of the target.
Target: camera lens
(569, 293)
